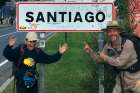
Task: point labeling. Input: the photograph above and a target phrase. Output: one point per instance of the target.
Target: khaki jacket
(121, 58)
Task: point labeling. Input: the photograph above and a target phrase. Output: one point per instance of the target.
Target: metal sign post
(101, 66)
(42, 66)
(66, 34)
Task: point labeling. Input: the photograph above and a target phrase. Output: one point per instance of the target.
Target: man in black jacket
(25, 57)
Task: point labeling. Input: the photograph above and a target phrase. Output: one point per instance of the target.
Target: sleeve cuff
(110, 61)
(8, 46)
(59, 53)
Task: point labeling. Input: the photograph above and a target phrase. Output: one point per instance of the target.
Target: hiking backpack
(136, 42)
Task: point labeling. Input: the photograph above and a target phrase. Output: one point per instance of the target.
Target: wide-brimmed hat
(112, 24)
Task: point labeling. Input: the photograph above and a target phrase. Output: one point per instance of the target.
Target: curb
(8, 81)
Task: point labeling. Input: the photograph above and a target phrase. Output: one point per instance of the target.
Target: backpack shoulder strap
(21, 52)
(123, 42)
(17, 65)
(136, 66)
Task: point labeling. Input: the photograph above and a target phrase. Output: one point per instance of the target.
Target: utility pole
(66, 34)
(101, 66)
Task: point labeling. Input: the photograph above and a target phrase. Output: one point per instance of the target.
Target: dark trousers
(20, 88)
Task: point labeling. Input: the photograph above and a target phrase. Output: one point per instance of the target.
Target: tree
(123, 14)
(2, 2)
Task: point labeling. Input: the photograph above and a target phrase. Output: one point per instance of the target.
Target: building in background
(7, 12)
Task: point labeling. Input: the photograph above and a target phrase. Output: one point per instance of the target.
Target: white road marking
(7, 34)
(4, 62)
(7, 82)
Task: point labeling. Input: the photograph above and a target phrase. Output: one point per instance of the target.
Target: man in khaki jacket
(119, 56)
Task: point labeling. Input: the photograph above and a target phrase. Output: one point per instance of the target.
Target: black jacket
(14, 55)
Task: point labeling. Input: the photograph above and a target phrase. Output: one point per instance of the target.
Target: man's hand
(12, 40)
(136, 84)
(87, 48)
(63, 48)
(103, 56)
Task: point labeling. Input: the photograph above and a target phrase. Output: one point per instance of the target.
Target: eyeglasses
(33, 41)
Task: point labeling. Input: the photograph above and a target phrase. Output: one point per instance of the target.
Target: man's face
(113, 34)
(31, 44)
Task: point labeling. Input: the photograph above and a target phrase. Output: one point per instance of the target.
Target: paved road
(5, 66)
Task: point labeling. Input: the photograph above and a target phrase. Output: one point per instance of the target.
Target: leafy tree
(122, 13)
(2, 2)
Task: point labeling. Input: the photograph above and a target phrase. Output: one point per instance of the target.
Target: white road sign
(63, 16)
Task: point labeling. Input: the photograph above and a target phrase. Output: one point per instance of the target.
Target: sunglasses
(34, 41)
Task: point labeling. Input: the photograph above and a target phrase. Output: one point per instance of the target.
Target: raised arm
(45, 58)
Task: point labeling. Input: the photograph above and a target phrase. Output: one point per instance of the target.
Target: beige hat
(112, 24)
(31, 36)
